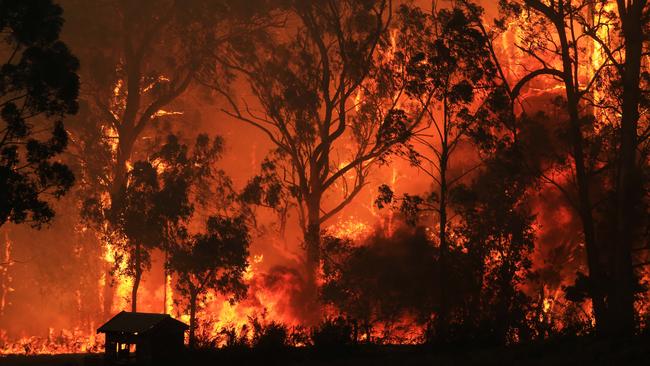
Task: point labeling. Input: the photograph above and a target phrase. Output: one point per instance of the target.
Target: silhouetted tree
(39, 88)
(191, 183)
(449, 68)
(306, 80)
(551, 40)
(139, 58)
(557, 37)
(213, 260)
(128, 80)
(497, 233)
(383, 279)
(152, 209)
(136, 216)
(620, 38)
(630, 181)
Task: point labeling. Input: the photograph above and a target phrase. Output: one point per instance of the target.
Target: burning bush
(383, 280)
(273, 336)
(333, 333)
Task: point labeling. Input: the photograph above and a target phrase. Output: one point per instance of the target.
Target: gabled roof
(128, 322)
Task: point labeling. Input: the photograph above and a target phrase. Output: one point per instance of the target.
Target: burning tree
(129, 82)
(136, 216)
(620, 38)
(157, 200)
(383, 281)
(449, 69)
(575, 43)
(212, 260)
(39, 88)
(309, 83)
(135, 77)
(496, 231)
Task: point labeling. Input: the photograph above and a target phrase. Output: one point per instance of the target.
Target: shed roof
(129, 322)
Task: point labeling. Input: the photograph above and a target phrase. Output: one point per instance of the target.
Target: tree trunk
(124, 149)
(622, 288)
(136, 279)
(126, 140)
(442, 320)
(443, 316)
(192, 341)
(312, 262)
(108, 293)
(125, 146)
(584, 201)
(165, 276)
(5, 275)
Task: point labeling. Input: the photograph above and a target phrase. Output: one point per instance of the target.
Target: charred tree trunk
(165, 276)
(367, 331)
(108, 292)
(136, 279)
(627, 191)
(120, 172)
(312, 262)
(5, 264)
(582, 178)
(192, 337)
(443, 314)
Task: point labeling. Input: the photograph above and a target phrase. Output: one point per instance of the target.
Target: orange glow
(274, 277)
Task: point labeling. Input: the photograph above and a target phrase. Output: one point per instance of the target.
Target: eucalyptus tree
(215, 259)
(449, 77)
(322, 108)
(39, 89)
(560, 38)
(140, 57)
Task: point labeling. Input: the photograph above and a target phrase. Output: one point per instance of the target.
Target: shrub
(272, 336)
(333, 333)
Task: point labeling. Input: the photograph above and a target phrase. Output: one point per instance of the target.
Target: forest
(388, 181)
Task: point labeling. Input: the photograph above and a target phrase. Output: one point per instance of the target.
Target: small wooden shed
(143, 338)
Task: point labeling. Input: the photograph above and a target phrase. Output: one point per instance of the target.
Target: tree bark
(165, 276)
(108, 293)
(125, 145)
(136, 279)
(622, 289)
(443, 316)
(584, 201)
(192, 340)
(312, 262)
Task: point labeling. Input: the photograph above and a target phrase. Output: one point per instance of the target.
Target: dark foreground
(574, 352)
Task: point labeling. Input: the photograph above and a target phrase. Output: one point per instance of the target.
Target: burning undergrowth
(379, 283)
(381, 287)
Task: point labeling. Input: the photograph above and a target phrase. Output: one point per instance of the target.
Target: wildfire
(75, 341)
(272, 290)
(169, 298)
(5, 278)
(358, 98)
(598, 54)
(121, 283)
(350, 228)
(269, 293)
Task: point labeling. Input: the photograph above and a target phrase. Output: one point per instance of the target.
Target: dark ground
(574, 352)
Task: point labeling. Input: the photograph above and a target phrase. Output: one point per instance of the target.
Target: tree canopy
(39, 87)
